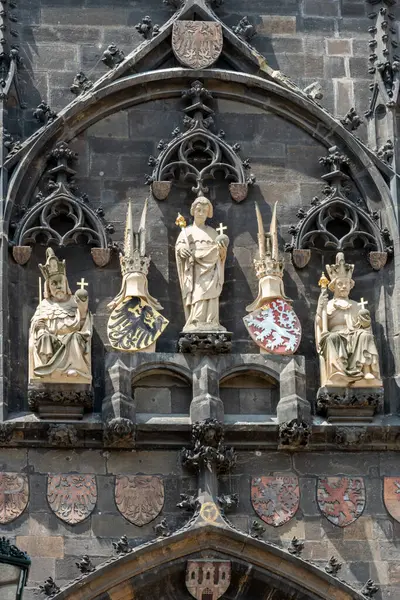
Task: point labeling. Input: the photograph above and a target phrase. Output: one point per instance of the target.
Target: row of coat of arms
(140, 498)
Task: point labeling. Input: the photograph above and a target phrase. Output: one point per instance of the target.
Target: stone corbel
(119, 409)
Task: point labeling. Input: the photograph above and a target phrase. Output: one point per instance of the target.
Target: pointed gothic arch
(132, 575)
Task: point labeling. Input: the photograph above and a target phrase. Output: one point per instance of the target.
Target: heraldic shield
(391, 496)
(197, 44)
(139, 498)
(341, 499)
(275, 499)
(208, 579)
(14, 496)
(72, 498)
(275, 327)
(135, 325)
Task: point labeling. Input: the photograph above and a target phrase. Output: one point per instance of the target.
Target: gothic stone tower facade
(184, 461)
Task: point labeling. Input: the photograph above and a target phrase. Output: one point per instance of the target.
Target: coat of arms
(341, 499)
(14, 496)
(391, 496)
(275, 327)
(197, 44)
(135, 325)
(72, 498)
(139, 498)
(275, 499)
(208, 579)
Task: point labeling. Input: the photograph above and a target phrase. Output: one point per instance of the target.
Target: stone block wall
(367, 548)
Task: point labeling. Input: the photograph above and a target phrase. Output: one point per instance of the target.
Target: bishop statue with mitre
(61, 330)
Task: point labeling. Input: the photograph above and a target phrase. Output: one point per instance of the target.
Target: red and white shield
(14, 496)
(275, 327)
(341, 499)
(197, 44)
(275, 499)
(72, 497)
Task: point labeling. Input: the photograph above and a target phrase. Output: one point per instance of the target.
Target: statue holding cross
(200, 256)
(345, 340)
(61, 330)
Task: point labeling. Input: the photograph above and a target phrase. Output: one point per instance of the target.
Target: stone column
(206, 403)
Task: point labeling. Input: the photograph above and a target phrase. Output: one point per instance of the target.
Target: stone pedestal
(294, 410)
(206, 403)
(205, 342)
(341, 405)
(60, 400)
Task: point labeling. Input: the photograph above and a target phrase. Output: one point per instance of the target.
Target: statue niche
(345, 341)
(61, 330)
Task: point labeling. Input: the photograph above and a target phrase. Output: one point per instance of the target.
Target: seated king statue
(61, 330)
(345, 341)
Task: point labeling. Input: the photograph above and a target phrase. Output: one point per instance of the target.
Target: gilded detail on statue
(343, 330)
(200, 256)
(61, 330)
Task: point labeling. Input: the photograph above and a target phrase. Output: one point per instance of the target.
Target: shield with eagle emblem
(391, 496)
(139, 498)
(14, 496)
(134, 325)
(72, 498)
(275, 327)
(197, 44)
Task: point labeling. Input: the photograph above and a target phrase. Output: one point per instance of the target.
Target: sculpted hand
(323, 301)
(185, 253)
(222, 250)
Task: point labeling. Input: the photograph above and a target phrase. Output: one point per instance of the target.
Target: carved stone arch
(135, 575)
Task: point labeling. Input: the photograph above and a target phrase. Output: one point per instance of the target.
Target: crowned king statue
(61, 330)
(344, 337)
(272, 322)
(135, 323)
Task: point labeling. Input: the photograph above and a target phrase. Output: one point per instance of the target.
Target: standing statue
(344, 337)
(61, 330)
(135, 323)
(272, 322)
(200, 256)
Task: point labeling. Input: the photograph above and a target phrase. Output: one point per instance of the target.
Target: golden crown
(340, 268)
(53, 266)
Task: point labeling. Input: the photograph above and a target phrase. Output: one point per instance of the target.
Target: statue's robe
(201, 278)
(60, 342)
(348, 345)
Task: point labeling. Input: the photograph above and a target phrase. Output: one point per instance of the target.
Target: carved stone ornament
(208, 448)
(85, 565)
(119, 433)
(391, 496)
(72, 498)
(63, 436)
(39, 223)
(101, 256)
(352, 402)
(336, 222)
(49, 587)
(275, 499)
(14, 496)
(333, 566)
(162, 529)
(197, 44)
(257, 530)
(301, 258)
(354, 436)
(294, 434)
(40, 399)
(139, 498)
(341, 499)
(198, 155)
(296, 547)
(208, 579)
(369, 589)
(122, 546)
(377, 260)
(205, 343)
(22, 254)
(6, 432)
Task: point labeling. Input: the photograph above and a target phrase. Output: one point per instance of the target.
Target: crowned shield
(14, 496)
(134, 325)
(197, 44)
(208, 579)
(391, 496)
(275, 499)
(139, 498)
(341, 499)
(72, 498)
(275, 327)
